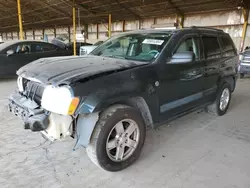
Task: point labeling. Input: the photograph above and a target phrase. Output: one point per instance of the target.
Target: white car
(84, 50)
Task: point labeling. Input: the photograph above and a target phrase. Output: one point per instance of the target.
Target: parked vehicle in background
(15, 54)
(84, 50)
(244, 66)
(70, 46)
(61, 41)
(134, 80)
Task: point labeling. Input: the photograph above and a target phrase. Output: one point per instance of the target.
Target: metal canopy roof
(51, 13)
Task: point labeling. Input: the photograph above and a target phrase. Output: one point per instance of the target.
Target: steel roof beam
(128, 9)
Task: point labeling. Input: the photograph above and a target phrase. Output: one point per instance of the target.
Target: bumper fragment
(33, 116)
(52, 126)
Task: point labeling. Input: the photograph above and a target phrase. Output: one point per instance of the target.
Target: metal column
(20, 20)
(74, 27)
(123, 26)
(97, 31)
(245, 15)
(109, 25)
(182, 21)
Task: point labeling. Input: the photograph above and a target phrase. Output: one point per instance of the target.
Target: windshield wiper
(131, 58)
(114, 56)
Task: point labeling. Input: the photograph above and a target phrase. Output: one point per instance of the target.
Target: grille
(246, 59)
(33, 90)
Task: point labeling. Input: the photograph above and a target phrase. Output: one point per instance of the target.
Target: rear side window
(48, 47)
(43, 47)
(228, 49)
(211, 47)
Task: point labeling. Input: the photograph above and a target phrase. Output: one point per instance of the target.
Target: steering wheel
(154, 52)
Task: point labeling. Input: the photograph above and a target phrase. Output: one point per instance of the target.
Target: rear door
(229, 52)
(212, 56)
(42, 50)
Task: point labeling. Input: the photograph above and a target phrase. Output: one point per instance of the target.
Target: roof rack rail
(208, 28)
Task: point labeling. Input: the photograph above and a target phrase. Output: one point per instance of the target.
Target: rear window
(211, 47)
(43, 47)
(228, 49)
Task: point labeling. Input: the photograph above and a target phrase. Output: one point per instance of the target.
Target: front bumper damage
(33, 117)
(52, 126)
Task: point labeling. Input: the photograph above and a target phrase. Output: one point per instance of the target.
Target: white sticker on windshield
(153, 41)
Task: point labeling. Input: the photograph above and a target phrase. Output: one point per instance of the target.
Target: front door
(182, 84)
(22, 56)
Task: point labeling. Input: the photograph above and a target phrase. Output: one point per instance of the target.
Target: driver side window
(189, 45)
(23, 48)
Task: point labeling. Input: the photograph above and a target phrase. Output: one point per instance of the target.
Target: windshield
(98, 43)
(139, 46)
(6, 44)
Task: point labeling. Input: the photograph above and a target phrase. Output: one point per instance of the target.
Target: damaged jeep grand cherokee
(133, 81)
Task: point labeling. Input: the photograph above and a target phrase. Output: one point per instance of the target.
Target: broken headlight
(59, 100)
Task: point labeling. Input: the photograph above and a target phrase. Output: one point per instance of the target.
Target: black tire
(242, 75)
(214, 108)
(96, 150)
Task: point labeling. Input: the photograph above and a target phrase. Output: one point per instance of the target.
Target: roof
(11, 42)
(175, 30)
(51, 13)
(17, 41)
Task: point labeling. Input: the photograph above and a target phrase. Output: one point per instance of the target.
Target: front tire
(242, 75)
(118, 138)
(222, 102)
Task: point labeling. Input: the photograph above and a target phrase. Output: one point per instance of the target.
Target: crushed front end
(44, 108)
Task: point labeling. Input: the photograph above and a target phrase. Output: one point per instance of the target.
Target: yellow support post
(74, 27)
(245, 14)
(182, 22)
(20, 20)
(109, 25)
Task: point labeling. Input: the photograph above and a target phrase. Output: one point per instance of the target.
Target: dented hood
(64, 70)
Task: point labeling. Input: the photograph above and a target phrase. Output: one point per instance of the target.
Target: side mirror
(10, 52)
(183, 57)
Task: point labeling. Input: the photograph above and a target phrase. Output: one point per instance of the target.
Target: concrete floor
(198, 150)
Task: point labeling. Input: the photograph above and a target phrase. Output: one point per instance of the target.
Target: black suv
(133, 81)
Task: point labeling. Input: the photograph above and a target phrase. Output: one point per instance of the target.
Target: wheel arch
(137, 102)
(231, 79)
(84, 132)
(140, 104)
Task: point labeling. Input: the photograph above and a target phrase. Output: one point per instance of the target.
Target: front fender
(92, 105)
(84, 128)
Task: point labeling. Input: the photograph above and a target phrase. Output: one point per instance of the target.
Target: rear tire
(117, 139)
(222, 102)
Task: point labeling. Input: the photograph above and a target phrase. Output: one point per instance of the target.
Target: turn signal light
(73, 105)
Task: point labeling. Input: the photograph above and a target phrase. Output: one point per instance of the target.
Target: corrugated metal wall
(231, 22)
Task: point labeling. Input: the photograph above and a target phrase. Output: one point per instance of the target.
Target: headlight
(59, 100)
(241, 57)
(20, 84)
